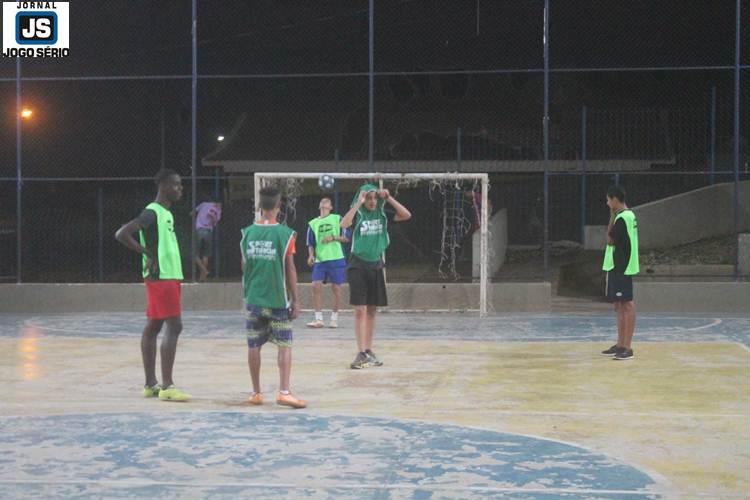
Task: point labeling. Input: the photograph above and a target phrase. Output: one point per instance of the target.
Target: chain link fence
(645, 95)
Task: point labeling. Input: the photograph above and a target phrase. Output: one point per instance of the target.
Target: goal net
(435, 246)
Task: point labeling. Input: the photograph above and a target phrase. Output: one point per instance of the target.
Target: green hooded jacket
(370, 233)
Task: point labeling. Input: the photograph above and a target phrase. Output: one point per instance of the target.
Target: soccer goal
(436, 244)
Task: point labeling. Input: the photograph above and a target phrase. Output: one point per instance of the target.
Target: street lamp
(26, 113)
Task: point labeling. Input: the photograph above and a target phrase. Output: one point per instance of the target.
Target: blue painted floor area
(511, 328)
(236, 454)
(207, 454)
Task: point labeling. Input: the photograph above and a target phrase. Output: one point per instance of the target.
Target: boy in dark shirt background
(621, 263)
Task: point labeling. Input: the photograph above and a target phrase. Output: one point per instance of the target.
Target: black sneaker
(361, 361)
(623, 355)
(374, 361)
(612, 350)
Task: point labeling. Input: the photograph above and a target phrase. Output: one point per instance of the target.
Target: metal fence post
(583, 174)
(545, 130)
(736, 152)
(371, 88)
(712, 146)
(194, 135)
(100, 231)
(335, 185)
(19, 173)
(458, 149)
(216, 231)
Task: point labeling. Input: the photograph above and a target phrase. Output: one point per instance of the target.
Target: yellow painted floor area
(679, 411)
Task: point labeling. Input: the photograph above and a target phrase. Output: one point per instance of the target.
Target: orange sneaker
(290, 400)
(256, 399)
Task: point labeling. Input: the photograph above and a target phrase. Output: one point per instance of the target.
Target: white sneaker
(316, 324)
(333, 324)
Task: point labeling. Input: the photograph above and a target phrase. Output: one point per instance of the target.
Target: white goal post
(261, 177)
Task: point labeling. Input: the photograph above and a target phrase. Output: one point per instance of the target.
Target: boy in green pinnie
(269, 282)
(365, 271)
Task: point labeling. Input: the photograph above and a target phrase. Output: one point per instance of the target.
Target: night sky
(113, 128)
(290, 78)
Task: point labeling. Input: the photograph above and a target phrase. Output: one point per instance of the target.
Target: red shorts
(163, 299)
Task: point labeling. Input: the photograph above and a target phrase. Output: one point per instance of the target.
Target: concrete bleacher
(695, 215)
(684, 218)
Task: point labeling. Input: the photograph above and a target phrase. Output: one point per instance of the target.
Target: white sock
(285, 393)
(334, 316)
(318, 315)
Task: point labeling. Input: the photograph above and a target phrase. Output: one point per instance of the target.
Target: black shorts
(367, 287)
(619, 287)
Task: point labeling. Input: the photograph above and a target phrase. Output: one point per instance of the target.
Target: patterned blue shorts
(264, 324)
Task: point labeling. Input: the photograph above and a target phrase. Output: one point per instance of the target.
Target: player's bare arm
(348, 219)
(402, 213)
(291, 285)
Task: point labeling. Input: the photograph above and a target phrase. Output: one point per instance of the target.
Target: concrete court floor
(519, 406)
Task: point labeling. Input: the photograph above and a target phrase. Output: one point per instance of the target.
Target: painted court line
(595, 414)
(354, 487)
(715, 322)
(331, 411)
(68, 330)
(30, 323)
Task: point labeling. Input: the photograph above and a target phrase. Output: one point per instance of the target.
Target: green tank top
(370, 235)
(168, 250)
(323, 228)
(609, 253)
(264, 247)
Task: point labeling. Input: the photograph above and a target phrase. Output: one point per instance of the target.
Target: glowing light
(26, 113)
(28, 353)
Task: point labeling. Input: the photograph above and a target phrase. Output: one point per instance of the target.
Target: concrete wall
(694, 270)
(743, 247)
(518, 297)
(697, 297)
(60, 298)
(687, 217)
(650, 296)
(594, 237)
(497, 244)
